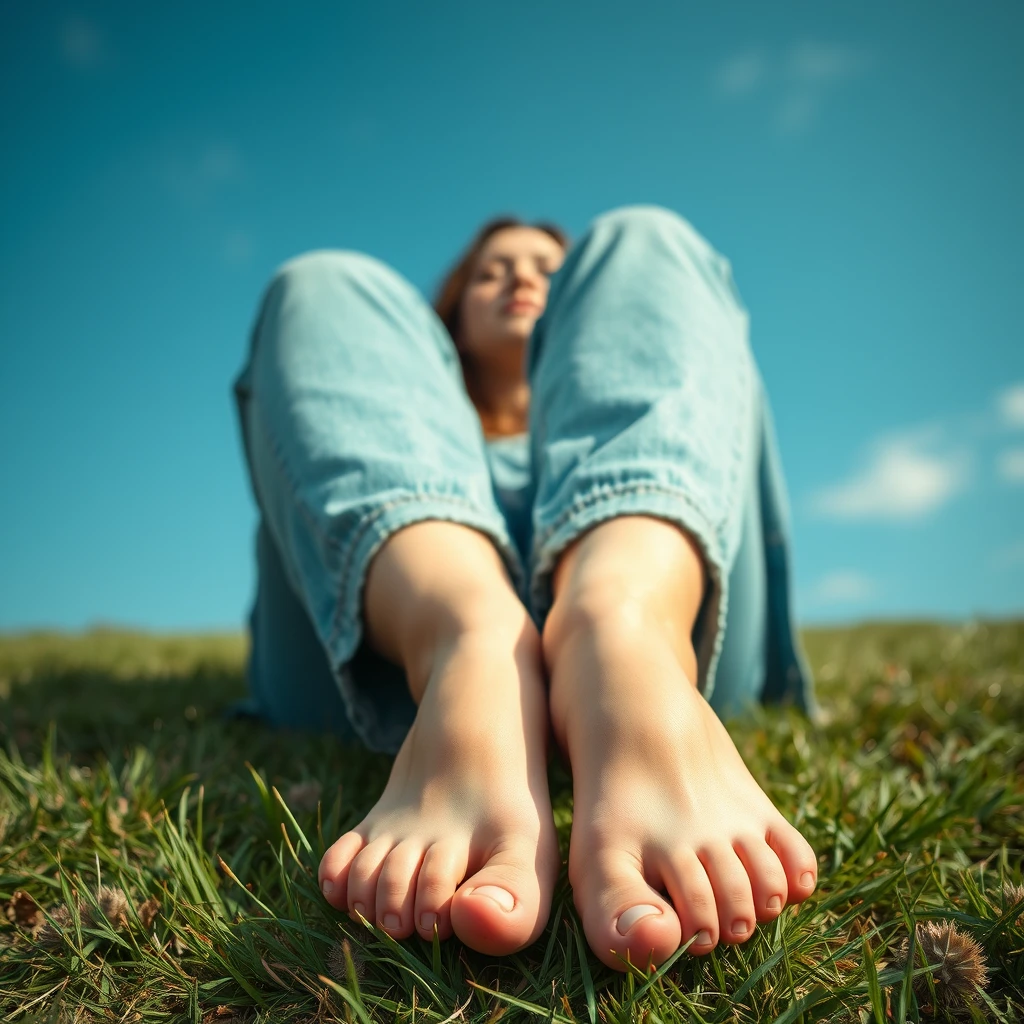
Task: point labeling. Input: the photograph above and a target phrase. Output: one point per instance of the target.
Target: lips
(521, 306)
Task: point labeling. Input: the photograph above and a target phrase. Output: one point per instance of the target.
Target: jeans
(645, 399)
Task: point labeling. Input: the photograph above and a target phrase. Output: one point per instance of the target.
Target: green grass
(118, 771)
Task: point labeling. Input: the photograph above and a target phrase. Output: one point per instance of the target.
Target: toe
(396, 889)
(500, 909)
(733, 896)
(690, 888)
(334, 869)
(768, 884)
(797, 858)
(443, 868)
(623, 916)
(363, 875)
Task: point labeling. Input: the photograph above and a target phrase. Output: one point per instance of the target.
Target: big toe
(334, 869)
(505, 905)
(623, 916)
(797, 858)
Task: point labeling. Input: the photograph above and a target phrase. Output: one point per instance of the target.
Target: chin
(512, 335)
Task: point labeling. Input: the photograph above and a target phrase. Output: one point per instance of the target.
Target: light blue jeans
(645, 399)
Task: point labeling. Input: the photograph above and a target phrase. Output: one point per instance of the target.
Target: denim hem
(610, 500)
(373, 723)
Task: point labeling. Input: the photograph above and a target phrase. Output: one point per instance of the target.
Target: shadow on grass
(93, 722)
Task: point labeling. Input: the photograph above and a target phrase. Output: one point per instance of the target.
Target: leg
(289, 675)
(291, 682)
(742, 666)
(355, 424)
(462, 838)
(369, 469)
(623, 705)
(647, 438)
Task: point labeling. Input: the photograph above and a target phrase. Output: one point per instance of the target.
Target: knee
(322, 267)
(652, 228)
(645, 218)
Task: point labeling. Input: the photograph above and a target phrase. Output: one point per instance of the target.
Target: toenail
(703, 938)
(630, 917)
(502, 897)
(358, 908)
(427, 922)
(807, 879)
(775, 903)
(740, 927)
(327, 887)
(392, 922)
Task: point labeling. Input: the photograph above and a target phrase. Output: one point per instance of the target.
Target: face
(507, 293)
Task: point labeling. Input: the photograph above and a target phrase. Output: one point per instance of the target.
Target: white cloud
(843, 587)
(1011, 405)
(797, 112)
(803, 75)
(820, 62)
(195, 178)
(901, 480)
(1010, 465)
(741, 73)
(81, 44)
(814, 68)
(219, 163)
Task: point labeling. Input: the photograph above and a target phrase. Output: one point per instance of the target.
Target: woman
(552, 502)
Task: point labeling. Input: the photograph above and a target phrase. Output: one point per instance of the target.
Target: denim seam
(282, 463)
(745, 399)
(719, 576)
(582, 502)
(347, 552)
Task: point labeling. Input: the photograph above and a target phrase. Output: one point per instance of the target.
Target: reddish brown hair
(448, 301)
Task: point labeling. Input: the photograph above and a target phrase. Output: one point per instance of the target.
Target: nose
(525, 272)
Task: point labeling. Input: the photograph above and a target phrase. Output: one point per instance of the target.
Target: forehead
(520, 241)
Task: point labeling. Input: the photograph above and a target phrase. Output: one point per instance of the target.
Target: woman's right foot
(462, 838)
(662, 801)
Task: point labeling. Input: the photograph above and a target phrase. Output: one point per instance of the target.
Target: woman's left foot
(462, 839)
(663, 802)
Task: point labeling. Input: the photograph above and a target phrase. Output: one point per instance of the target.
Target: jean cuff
(381, 711)
(610, 500)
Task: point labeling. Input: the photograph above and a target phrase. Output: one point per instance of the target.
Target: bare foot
(462, 837)
(662, 802)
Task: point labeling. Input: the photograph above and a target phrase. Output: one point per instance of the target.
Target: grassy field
(159, 864)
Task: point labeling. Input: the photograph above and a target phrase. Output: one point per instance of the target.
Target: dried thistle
(51, 934)
(147, 911)
(22, 910)
(78, 1015)
(222, 1014)
(304, 796)
(957, 964)
(112, 905)
(1012, 895)
(337, 957)
(336, 966)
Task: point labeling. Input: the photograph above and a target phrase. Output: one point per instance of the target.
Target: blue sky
(858, 163)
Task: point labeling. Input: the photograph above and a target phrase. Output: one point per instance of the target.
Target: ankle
(492, 631)
(430, 581)
(634, 569)
(618, 621)
(621, 663)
